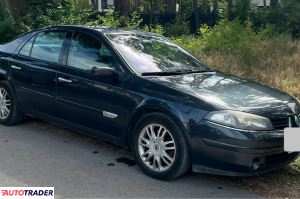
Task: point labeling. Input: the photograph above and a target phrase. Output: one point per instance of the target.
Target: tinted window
(47, 45)
(27, 48)
(86, 52)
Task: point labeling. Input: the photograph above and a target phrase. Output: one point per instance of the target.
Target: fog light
(256, 163)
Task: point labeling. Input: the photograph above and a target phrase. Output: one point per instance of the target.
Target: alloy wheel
(157, 147)
(5, 104)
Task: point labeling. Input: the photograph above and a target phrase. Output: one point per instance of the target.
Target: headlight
(240, 120)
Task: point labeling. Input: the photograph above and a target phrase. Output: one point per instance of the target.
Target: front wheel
(160, 147)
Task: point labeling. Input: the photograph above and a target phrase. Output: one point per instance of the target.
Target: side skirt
(78, 128)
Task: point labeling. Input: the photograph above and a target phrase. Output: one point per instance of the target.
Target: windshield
(154, 54)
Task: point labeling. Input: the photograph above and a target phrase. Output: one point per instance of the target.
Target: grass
(275, 63)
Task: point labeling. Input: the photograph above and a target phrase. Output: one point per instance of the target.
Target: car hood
(229, 92)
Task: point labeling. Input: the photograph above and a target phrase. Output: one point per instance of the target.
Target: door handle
(16, 67)
(63, 80)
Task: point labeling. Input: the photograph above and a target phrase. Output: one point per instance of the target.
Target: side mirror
(110, 72)
(104, 72)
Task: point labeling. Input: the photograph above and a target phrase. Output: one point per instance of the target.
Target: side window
(26, 50)
(87, 53)
(47, 45)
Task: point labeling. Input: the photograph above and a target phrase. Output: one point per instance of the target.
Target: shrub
(109, 19)
(134, 21)
(114, 20)
(228, 36)
(158, 29)
(9, 29)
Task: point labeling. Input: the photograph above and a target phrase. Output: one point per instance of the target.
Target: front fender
(4, 73)
(180, 113)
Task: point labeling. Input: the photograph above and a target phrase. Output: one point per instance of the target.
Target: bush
(115, 20)
(109, 19)
(9, 29)
(158, 29)
(228, 37)
(56, 13)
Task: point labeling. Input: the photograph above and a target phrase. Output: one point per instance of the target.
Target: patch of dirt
(283, 183)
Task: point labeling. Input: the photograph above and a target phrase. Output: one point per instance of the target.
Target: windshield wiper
(160, 73)
(195, 71)
(176, 72)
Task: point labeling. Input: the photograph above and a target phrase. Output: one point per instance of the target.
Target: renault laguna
(141, 91)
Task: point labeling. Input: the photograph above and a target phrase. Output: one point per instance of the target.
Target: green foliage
(231, 36)
(158, 29)
(134, 21)
(10, 26)
(179, 26)
(7, 30)
(114, 20)
(235, 38)
(109, 19)
(190, 43)
(284, 15)
(55, 12)
(242, 9)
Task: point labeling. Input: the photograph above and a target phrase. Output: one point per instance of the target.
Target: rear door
(34, 70)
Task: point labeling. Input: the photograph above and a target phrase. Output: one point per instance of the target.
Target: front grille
(280, 123)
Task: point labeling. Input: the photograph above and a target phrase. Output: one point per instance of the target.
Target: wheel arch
(148, 109)
(3, 77)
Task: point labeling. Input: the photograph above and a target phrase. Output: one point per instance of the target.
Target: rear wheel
(160, 147)
(9, 110)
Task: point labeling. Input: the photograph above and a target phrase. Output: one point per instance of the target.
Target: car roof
(102, 29)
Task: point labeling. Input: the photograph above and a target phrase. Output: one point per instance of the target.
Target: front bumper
(217, 149)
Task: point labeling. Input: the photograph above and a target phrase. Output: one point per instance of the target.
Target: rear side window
(26, 50)
(47, 45)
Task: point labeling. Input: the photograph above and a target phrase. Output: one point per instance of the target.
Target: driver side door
(98, 104)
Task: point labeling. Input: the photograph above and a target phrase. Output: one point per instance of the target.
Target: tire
(150, 153)
(14, 114)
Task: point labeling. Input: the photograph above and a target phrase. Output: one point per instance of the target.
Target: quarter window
(26, 50)
(47, 46)
(87, 53)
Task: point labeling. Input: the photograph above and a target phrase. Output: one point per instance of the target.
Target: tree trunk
(171, 6)
(230, 10)
(196, 14)
(215, 7)
(204, 6)
(17, 7)
(155, 6)
(123, 7)
(137, 5)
